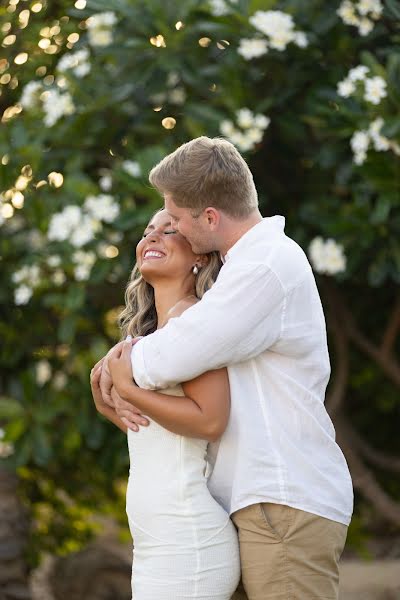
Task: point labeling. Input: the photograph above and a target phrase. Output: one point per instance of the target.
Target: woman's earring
(195, 269)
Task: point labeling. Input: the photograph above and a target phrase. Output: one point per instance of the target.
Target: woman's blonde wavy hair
(139, 317)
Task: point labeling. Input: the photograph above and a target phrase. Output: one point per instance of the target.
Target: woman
(185, 545)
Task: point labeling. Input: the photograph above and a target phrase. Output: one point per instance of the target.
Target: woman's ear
(202, 260)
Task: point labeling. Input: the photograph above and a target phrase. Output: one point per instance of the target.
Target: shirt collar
(267, 226)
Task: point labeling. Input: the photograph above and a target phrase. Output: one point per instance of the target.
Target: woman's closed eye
(165, 232)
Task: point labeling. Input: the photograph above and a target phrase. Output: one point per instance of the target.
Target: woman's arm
(202, 413)
(204, 410)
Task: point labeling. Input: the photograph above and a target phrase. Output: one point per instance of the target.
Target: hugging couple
(219, 382)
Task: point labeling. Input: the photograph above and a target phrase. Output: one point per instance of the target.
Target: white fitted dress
(184, 544)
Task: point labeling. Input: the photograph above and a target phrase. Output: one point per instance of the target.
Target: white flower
(173, 78)
(43, 372)
(59, 380)
(177, 95)
(100, 28)
(22, 294)
(100, 37)
(369, 6)
(104, 19)
(252, 125)
(102, 207)
(54, 260)
(30, 94)
(29, 274)
(131, 167)
(300, 39)
(244, 118)
(85, 231)
(219, 8)
(105, 182)
(58, 277)
(252, 48)
(279, 29)
(360, 14)
(261, 121)
(84, 263)
(347, 13)
(75, 61)
(365, 26)
(6, 449)
(359, 141)
(375, 89)
(358, 73)
(62, 223)
(327, 256)
(56, 105)
(380, 142)
(345, 88)
(226, 127)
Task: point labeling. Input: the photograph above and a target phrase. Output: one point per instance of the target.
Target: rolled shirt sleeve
(238, 318)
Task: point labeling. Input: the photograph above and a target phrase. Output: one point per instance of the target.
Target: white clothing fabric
(185, 545)
(262, 319)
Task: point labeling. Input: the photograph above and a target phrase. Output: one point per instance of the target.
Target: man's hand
(129, 414)
(95, 387)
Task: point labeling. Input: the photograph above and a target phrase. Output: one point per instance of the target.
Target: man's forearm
(231, 324)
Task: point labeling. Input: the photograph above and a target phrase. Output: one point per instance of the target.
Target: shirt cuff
(139, 372)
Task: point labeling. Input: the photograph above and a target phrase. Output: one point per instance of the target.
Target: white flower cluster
(251, 130)
(55, 103)
(374, 88)
(219, 8)
(79, 225)
(27, 278)
(77, 62)
(131, 167)
(30, 94)
(100, 28)
(279, 29)
(6, 448)
(362, 139)
(362, 14)
(327, 256)
(84, 262)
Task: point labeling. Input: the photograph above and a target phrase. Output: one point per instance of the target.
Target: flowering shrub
(93, 95)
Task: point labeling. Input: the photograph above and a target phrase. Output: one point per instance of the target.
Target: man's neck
(234, 230)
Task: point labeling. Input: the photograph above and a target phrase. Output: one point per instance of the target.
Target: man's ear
(212, 216)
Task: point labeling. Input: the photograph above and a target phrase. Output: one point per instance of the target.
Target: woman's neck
(167, 296)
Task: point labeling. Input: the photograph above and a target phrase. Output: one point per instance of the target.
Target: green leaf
(10, 408)
(393, 7)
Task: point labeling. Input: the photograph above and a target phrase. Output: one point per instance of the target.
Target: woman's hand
(95, 374)
(119, 365)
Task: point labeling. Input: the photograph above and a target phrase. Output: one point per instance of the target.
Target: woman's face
(164, 252)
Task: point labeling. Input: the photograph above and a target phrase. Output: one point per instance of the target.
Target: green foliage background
(71, 462)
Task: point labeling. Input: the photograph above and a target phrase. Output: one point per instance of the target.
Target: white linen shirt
(263, 320)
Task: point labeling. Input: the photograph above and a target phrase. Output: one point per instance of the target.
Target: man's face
(194, 229)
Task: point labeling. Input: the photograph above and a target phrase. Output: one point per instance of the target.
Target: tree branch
(392, 328)
(363, 478)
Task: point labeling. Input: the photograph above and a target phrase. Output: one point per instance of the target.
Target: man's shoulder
(280, 254)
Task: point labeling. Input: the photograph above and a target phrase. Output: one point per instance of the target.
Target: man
(277, 468)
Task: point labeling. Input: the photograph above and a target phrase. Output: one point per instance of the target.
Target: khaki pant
(288, 554)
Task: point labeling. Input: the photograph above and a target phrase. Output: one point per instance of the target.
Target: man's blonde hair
(207, 172)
